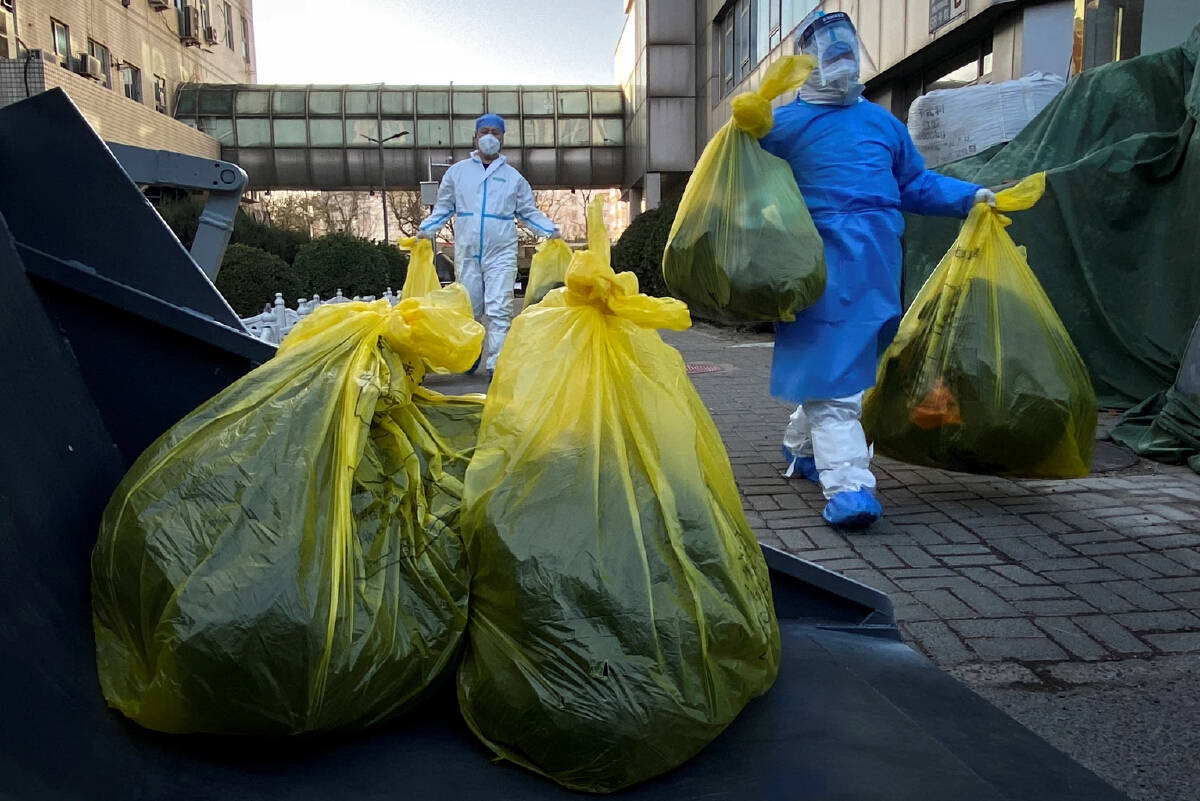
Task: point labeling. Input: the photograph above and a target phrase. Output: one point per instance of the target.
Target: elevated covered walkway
(327, 137)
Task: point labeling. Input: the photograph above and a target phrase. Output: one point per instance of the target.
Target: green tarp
(1165, 428)
(1116, 239)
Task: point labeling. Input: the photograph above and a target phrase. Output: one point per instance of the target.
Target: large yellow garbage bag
(621, 611)
(983, 377)
(288, 557)
(548, 270)
(743, 247)
(422, 277)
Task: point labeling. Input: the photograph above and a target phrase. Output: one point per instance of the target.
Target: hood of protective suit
(833, 41)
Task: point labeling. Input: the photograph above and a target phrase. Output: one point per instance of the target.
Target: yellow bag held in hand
(422, 277)
(621, 611)
(287, 558)
(548, 270)
(743, 247)
(982, 376)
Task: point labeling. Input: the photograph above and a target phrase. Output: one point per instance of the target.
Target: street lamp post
(383, 177)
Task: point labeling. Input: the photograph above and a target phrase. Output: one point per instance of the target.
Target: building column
(653, 190)
(635, 203)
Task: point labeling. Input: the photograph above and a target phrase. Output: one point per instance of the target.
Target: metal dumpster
(111, 333)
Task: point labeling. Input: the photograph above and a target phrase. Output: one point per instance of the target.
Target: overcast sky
(437, 41)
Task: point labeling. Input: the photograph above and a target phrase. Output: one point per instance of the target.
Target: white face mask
(489, 145)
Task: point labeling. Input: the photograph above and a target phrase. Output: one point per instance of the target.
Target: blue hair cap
(490, 121)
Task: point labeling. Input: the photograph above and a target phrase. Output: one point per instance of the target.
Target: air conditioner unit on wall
(189, 25)
(89, 67)
(210, 35)
(159, 5)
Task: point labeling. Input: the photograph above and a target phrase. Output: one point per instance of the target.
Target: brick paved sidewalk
(990, 577)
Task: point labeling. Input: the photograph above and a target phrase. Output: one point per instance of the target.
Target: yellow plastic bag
(548, 271)
(982, 376)
(621, 610)
(743, 247)
(288, 557)
(422, 277)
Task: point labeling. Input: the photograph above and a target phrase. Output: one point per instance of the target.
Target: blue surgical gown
(858, 170)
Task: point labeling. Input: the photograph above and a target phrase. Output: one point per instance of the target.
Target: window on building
(433, 102)
(227, 18)
(464, 133)
(205, 15)
(774, 23)
(606, 103)
(160, 95)
(728, 74)
(61, 37)
(745, 39)
(574, 133)
(398, 103)
(325, 133)
(468, 102)
(504, 103)
(1107, 31)
(362, 103)
(131, 79)
(573, 103)
(608, 132)
(101, 54)
(762, 28)
(325, 103)
(433, 133)
(290, 133)
(539, 133)
(246, 39)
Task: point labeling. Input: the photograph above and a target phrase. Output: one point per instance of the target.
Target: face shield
(833, 41)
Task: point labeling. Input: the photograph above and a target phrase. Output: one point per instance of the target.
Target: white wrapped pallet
(951, 124)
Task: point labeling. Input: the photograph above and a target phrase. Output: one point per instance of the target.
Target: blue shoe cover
(853, 511)
(475, 366)
(801, 466)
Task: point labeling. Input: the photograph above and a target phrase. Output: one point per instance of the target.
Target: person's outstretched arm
(926, 192)
(531, 215)
(442, 211)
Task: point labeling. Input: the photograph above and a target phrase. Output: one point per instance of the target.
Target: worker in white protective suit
(487, 197)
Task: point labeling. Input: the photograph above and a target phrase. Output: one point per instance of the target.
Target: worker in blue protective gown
(858, 170)
(486, 196)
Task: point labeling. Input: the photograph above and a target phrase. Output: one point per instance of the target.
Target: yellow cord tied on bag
(982, 376)
(752, 110)
(439, 327)
(591, 281)
(422, 275)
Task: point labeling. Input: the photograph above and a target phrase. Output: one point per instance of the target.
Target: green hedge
(640, 248)
(397, 267)
(250, 277)
(183, 218)
(340, 261)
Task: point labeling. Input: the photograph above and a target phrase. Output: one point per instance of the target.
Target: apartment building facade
(122, 61)
(680, 62)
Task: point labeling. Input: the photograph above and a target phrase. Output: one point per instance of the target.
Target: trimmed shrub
(250, 277)
(397, 267)
(183, 218)
(340, 261)
(640, 248)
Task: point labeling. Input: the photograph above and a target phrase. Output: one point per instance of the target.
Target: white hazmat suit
(486, 202)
